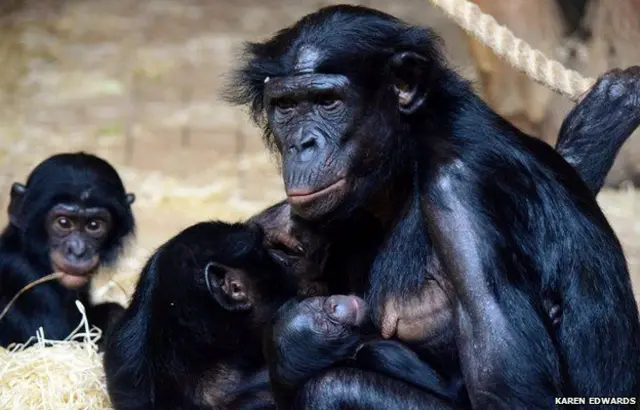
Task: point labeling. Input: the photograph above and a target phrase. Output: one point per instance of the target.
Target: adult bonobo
(484, 228)
(72, 216)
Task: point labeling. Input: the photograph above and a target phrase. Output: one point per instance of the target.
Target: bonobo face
(330, 317)
(342, 92)
(311, 117)
(75, 235)
(340, 143)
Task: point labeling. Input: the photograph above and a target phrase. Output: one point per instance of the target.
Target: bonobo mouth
(74, 274)
(303, 196)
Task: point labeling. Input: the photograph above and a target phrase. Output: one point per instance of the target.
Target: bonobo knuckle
(621, 86)
(634, 71)
(617, 89)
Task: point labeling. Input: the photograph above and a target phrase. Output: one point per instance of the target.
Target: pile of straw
(49, 374)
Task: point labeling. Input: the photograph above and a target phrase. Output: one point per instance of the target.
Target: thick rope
(515, 51)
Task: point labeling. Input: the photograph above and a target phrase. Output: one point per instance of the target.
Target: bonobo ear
(18, 191)
(409, 80)
(228, 286)
(130, 198)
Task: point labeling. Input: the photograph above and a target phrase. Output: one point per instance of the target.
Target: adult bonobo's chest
(406, 269)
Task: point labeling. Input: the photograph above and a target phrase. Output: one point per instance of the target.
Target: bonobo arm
(595, 129)
(506, 363)
(395, 360)
(253, 394)
(351, 388)
(590, 138)
(41, 306)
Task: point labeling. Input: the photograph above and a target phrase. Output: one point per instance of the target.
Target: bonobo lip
(74, 275)
(72, 281)
(84, 268)
(303, 196)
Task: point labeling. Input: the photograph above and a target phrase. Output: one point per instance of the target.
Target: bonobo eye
(328, 101)
(284, 104)
(96, 226)
(63, 223)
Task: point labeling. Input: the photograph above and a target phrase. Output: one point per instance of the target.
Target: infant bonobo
(326, 347)
(72, 216)
(191, 338)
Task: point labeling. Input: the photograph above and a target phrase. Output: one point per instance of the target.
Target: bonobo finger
(389, 319)
(282, 239)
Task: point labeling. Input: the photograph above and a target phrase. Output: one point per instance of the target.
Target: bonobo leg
(593, 132)
(349, 388)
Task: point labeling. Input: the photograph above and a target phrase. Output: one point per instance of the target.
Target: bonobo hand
(277, 225)
(417, 318)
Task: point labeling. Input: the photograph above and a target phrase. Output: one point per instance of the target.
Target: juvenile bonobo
(324, 346)
(71, 216)
(191, 338)
(483, 227)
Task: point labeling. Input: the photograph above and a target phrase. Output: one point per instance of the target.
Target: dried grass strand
(52, 276)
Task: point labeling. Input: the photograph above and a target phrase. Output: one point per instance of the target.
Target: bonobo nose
(76, 247)
(306, 147)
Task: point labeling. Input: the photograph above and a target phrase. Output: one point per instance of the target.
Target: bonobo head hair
(351, 40)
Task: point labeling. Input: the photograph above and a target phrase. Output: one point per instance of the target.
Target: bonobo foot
(617, 95)
(600, 124)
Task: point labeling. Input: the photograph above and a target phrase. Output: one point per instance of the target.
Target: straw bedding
(60, 375)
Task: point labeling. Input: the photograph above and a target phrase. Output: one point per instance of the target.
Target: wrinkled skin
(75, 237)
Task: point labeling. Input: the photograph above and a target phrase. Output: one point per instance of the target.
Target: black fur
(491, 221)
(24, 247)
(176, 347)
